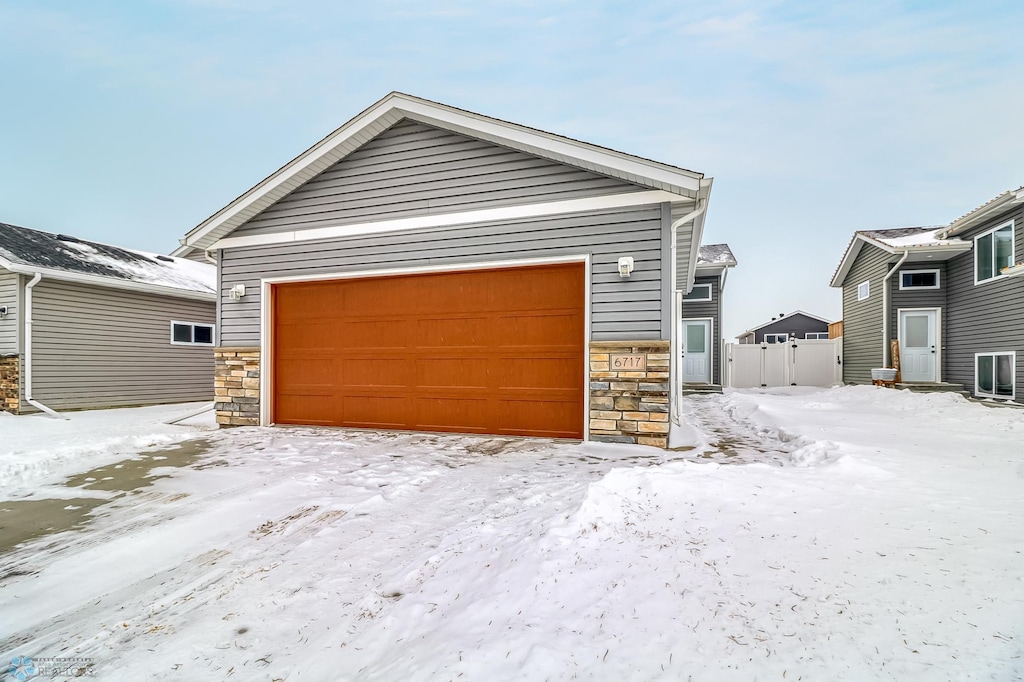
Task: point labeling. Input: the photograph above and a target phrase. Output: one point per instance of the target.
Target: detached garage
(430, 269)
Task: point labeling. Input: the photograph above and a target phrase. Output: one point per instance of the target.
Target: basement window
(191, 334)
(994, 374)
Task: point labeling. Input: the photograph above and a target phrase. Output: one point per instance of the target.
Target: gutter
(887, 306)
(28, 350)
(677, 303)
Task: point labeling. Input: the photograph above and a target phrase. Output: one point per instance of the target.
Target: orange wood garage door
(485, 351)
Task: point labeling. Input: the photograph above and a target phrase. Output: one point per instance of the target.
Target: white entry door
(918, 352)
(696, 351)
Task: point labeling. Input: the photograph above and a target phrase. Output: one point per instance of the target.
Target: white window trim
(776, 335)
(938, 279)
(1013, 252)
(867, 290)
(700, 300)
(1013, 374)
(817, 336)
(193, 325)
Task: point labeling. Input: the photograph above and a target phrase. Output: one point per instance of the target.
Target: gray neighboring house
(701, 338)
(952, 295)
(794, 325)
(85, 325)
(425, 267)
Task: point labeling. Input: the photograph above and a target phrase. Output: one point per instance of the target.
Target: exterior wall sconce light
(625, 266)
(3, 311)
(237, 291)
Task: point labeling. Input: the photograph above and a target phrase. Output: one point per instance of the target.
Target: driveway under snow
(853, 533)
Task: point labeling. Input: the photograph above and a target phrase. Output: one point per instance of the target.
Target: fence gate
(798, 362)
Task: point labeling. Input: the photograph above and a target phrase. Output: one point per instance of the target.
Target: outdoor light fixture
(625, 266)
(237, 291)
(3, 311)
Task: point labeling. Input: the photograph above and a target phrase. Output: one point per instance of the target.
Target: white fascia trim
(107, 282)
(447, 118)
(266, 327)
(453, 219)
(984, 212)
(950, 249)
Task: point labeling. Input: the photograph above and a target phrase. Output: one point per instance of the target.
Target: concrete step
(691, 389)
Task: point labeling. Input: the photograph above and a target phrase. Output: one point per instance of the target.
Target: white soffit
(396, 106)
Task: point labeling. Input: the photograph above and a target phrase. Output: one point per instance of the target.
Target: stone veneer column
(629, 405)
(237, 386)
(10, 383)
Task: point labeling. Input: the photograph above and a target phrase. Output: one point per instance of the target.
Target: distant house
(86, 325)
(702, 315)
(951, 295)
(795, 325)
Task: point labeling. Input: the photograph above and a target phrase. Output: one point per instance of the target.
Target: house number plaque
(629, 362)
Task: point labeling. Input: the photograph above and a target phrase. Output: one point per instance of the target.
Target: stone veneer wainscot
(10, 381)
(237, 386)
(630, 406)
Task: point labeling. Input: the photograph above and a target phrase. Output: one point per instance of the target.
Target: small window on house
(816, 335)
(700, 292)
(191, 334)
(863, 290)
(919, 279)
(776, 338)
(993, 251)
(994, 375)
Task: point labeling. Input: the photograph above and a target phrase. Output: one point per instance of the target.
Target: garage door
(484, 351)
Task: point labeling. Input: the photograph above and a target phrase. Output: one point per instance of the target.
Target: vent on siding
(165, 258)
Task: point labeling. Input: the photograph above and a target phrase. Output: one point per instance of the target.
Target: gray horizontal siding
(987, 317)
(712, 309)
(620, 308)
(862, 320)
(9, 324)
(415, 169)
(96, 347)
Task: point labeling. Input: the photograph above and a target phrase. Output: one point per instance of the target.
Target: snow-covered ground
(853, 533)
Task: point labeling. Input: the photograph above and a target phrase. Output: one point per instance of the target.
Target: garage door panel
(539, 418)
(447, 331)
(522, 329)
(480, 351)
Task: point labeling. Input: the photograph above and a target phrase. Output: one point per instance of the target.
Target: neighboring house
(86, 325)
(795, 325)
(700, 338)
(425, 267)
(952, 296)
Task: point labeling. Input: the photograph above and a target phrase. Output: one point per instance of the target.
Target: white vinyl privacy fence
(798, 362)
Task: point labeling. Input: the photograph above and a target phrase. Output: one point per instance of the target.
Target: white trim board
(505, 213)
(266, 328)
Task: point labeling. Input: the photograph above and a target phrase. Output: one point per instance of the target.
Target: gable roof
(780, 319)
(397, 106)
(68, 258)
(997, 203)
(923, 242)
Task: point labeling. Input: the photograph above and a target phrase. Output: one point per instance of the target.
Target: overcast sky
(131, 122)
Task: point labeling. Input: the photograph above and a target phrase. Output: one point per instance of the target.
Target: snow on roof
(909, 236)
(33, 248)
(715, 254)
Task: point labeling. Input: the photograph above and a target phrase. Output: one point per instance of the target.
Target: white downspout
(28, 351)
(677, 301)
(886, 308)
(723, 362)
